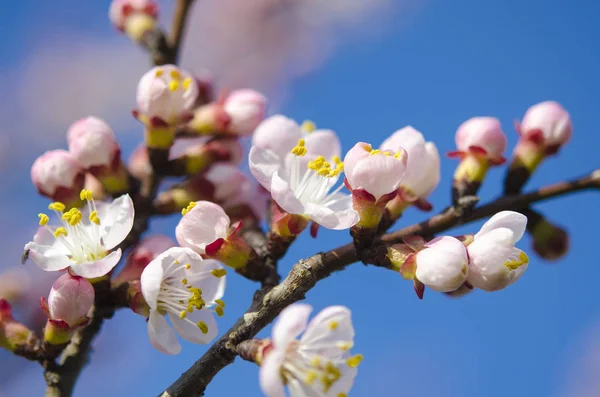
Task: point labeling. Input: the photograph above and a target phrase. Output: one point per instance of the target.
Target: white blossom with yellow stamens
(84, 239)
(180, 285)
(317, 365)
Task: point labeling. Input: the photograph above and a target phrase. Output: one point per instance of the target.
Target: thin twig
(306, 273)
(182, 11)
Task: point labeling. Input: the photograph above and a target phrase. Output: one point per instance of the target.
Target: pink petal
(263, 165)
(98, 268)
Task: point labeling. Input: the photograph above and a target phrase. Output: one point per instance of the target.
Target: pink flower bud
(246, 109)
(95, 186)
(70, 300)
(92, 143)
(139, 163)
(165, 96)
(442, 264)
(57, 175)
(546, 124)
(148, 249)
(134, 17)
(13, 334)
(482, 137)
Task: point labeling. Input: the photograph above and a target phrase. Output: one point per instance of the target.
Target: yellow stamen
(367, 147)
(219, 310)
(299, 150)
(399, 154)
(310, 378)
(203, 327)
(219, 302)
(94, 217)
(186, 84)
(56, 206)
(72, 217)
(182, 314)
(43, 219)
(191, 205)
(345, 346)
(218, 273)
(61, 231)
(315, 361)
(342, 395)
(175, 74)
(173, 85)
(354, 361)
(333, 325)
(159, 72)
(184, 281)
(187, 266)
(517, 263)
(86, 194)
(374, 152)
(308, 126)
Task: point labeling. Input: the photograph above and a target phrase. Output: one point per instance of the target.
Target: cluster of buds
(135, 18)
(487, 260)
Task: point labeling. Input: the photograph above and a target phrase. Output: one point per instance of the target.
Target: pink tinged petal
(92, 142)
(514, 221)
(263, 165)
(337, 216)
(47, 257)
(153, 274)
(269, 375)
(551, 119)
(116, 220)
(378, 174)
(431, 171)
(407, 138)
(202, 225)
(284, 196)
(291, 322)
(162, 336)
(246, 108)
(442, 266)
(70, 299)
(55, 169)
(98, 268)
(355, 155)
(189, 331)
(482, 132)
(323, 143)
(278, 134)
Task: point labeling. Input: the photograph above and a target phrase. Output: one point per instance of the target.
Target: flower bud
(92, 143)
(57, 175)
(373, 176)
(442, 264)
(134, 17)
(148, 249)
(12, 333)
(238, 114)
(205, 83)
(480, 144)
(68, 305)
(222, 182)
(198, 154)
(139, 164)
(422, 171)
(165, 97)
(550, 242)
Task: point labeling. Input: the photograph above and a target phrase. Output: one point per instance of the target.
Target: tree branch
(182, 10)
(268, 303)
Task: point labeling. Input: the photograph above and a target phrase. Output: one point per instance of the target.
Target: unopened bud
(550, 242)
(57, 175)
(13, 334)
(148, 249)
(134, 17)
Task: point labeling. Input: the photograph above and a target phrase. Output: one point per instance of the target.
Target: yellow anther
(182, 314)
(175, 74)
(72, 217)
(187, 266)
(337, 160)
(399, 154)
(299, 149)
(310, 378)
(517, 263)
(342, 395)
(56, 206)
(315, 361)
(176, 262)
(367, 147)
(159, 72)
(219, 310)
(86, 194)
(94, 217)
(308, 126)
(61, 231)
(374, 152)
(43, 219)
(333, 325)
(219, 302)
(203, 327)
(184, 281)
(191, 205)
(345, 346)
(173, 85)
(218, 273)
(354, 361)
(186, 84)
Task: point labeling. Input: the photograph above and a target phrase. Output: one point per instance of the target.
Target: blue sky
(432, 67)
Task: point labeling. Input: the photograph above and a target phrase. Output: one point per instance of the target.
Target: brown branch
(268, 303)
(180, 15)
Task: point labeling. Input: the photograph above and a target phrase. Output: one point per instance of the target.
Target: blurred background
(364, 68)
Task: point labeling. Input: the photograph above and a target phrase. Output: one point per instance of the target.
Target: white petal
(190, 331)
(213, 288)
(325, 332)
(263, 165)
(322, 143)
(116, 220)
(345, 383)
(284, 196)
(161, 335)
(337, 216)
(278, 134)
(47, 257)
(442, 266)
(154, 273)
(270, 373)
(204, 224)
(514, 221)
(98, 268)
(291, 322)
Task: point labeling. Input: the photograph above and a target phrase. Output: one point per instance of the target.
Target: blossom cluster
(302, 178)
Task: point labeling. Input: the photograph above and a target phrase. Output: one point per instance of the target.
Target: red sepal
(347, 184)
(314, 229)
(186, 117)
(222, 119)
(387, 197)
(414, 242)
(157, 122)
(363, 195)
(478, 151)
(212, 248)
(135, 113)
(456, 154)
(419, 288)
(60, 324)
(423, 204)
(498, 161)
(517, 125)
(44, 306)
(5, 310)
(235, 228)
(296, 224)
(536, 136)
(409, 267)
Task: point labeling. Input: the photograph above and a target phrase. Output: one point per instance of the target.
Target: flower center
(81, 238)
(516, 261)
(179, 296)
(312, 182)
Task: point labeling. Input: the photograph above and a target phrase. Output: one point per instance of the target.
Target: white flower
(302, 183)
(181, 285)
(84, 239)
(495, 262)
(442, 264)
(317, 365)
